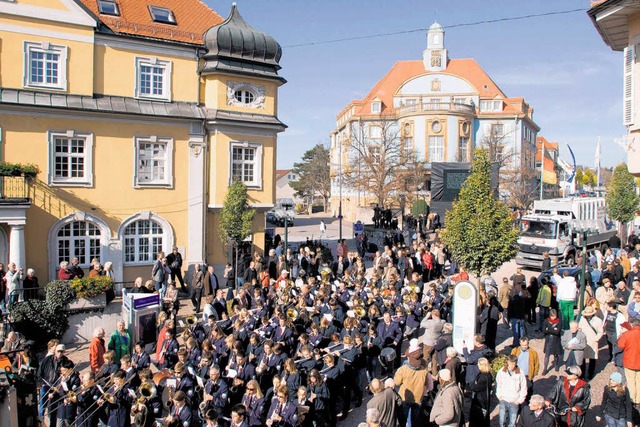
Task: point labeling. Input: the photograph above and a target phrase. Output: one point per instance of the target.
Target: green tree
(479, 231)
(235, 217)
(313, 175)
(589, 178)
(622, 199)
(579, 178)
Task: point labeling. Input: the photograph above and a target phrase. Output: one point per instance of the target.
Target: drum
(387, 355)
(160, 378)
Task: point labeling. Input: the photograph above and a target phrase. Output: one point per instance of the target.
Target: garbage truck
(556, 225)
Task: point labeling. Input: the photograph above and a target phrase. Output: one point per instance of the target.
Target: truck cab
(540, 234)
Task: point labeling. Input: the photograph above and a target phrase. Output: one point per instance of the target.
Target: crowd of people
(292, 340)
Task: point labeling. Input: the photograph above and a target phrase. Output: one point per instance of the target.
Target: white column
(16, 246)
(196, 209)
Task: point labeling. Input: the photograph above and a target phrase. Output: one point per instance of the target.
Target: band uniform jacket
(255, 409)
(141, 360)
(220, 392)
(87, 417)
(288, 411)
(67, 411)
(182, 416)
(119, 411)
(389, 333)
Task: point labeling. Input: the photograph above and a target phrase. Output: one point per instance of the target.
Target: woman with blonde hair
(253, 400)
(481, 395)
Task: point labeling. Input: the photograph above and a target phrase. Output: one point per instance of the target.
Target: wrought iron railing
(14, 189)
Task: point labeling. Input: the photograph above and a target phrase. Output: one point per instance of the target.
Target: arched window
(143, 239)
(79, 239)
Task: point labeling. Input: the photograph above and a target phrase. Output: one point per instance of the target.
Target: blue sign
(139, 303)
(358, 227)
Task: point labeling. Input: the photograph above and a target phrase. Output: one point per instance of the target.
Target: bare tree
(373, 157)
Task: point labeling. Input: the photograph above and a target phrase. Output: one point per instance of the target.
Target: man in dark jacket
(535, 415)
(571, 397)
(174, 260)
(471, 357)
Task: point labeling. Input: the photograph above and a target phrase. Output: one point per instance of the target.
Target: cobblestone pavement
(79, 353)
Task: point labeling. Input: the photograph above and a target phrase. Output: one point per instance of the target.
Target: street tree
(579, 178)
(313, 175)
(235, 217)
(479, 231)
(622, 199)
(377, 160)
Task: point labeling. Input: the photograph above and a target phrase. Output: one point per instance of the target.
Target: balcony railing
(14, 189)
(437, 106)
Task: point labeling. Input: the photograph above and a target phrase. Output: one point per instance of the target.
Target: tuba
(146, 391)
(325, 272)
(360, 312)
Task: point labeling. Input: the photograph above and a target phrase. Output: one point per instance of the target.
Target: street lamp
(286, 206)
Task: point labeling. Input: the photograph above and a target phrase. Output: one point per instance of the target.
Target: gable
(424, 85)
(63, 11)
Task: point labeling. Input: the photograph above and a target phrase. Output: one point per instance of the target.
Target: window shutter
(629, 60)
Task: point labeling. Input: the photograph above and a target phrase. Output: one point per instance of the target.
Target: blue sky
(559, 64)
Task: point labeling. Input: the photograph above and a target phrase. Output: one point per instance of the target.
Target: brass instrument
(360, 312)
(147, 391)
(292, 313)
(325, 272)
(109, 397)
(191, 320)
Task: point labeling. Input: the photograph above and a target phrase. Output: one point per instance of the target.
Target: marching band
(285, 354)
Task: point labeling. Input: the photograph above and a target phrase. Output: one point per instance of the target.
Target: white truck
(552, 225)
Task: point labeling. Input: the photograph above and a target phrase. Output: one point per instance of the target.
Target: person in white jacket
(511, 391)
(566, 296)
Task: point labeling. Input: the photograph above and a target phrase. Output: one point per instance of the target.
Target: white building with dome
(441, 108)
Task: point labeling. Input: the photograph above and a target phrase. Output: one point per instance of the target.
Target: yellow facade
(163, 160)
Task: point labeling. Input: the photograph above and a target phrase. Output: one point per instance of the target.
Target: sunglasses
(251, 389)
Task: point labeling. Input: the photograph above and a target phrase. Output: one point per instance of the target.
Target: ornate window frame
(258, 91)
(168, 236)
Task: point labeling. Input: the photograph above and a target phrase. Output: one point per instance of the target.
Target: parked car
(277, 216)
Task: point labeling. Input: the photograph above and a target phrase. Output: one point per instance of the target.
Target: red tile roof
(402, 71)
(282, 172)
(193, 18)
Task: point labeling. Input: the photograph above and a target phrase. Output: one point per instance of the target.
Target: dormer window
(376, 107)
(244, 96)
(108, 7)
(162, 15)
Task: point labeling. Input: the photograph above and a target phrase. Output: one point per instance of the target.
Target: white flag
(597, 159)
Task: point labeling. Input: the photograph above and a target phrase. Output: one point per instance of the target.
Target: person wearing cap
(447, 405)
(411, 378)
(571, 397)
(48, 374)
(616, 405)
(592, 327)
(535, 415)
(511, 391)
(629, 343)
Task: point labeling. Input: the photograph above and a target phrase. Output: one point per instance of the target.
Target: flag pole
(541, 169)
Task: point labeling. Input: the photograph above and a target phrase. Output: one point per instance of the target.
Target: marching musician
(253, 400)
(389, 331)
(304, 407)
(86, 398)
(131, 375)
(291, 377)
(283, 412)
(239, 416)
(109, 367)
(184, 381)
(283, 333)
(118, 407)
(180, 415)
(267, 365)
(254, 349)
(333, 374)
(152, 404)
(66, 408)
(216, 391)
(169, 353)
(140, 359)
(193, 352)
(318, 395)
(203, 367)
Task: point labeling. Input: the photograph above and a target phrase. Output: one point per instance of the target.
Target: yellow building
(618, 23)
(138, 115)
